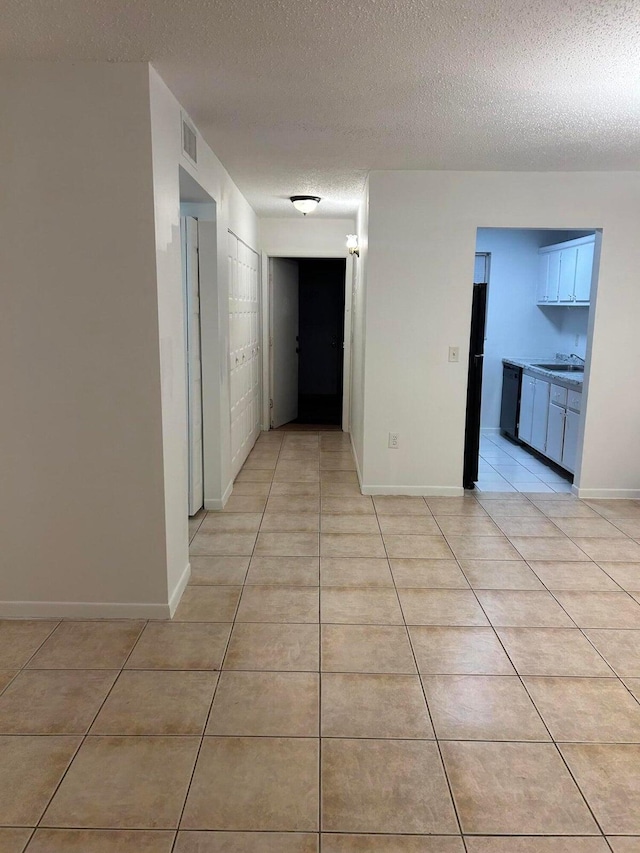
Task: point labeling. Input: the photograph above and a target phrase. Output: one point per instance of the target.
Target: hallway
(409, 675)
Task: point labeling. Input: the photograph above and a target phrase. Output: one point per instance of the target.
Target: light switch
(454, 353)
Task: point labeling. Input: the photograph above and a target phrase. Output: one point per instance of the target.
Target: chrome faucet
(579, 357)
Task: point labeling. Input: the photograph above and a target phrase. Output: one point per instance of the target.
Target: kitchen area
(534, 350)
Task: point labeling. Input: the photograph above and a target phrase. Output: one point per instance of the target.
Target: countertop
(568, 378)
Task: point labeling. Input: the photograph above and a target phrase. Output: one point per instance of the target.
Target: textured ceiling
(303, 96)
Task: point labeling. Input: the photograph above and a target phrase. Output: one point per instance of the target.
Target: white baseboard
(176, 595)
(419, 491)
(612, 494)
(219, 503)
(82, 610)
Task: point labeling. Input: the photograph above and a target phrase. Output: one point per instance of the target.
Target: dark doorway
(474, 385)
(321, 297)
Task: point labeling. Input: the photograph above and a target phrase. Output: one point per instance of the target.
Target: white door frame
(266, 332)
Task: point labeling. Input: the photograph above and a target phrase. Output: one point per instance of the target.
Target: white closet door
(194, 365)
(244, 351)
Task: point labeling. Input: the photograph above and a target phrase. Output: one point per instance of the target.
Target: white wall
(232, 212)
(358, 327)
(82, 521)
(516, 326)
(422, 234)
(305, 237)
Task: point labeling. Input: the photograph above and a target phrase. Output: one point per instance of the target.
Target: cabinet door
(526, 408)
(555, 432)
(553, 277)
(540, 415)
(570, 441)
(543, 279)
(568, 259)
(584, 273)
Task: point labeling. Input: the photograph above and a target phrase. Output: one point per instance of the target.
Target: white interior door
(194, 366)
(283, 275)
(244, 350)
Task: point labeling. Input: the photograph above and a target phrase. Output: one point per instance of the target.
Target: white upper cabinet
(565, 271)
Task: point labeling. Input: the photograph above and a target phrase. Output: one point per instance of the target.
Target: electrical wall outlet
(454, 353)
(394, 440)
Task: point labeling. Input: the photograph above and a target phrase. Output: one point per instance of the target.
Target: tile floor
(505, 466)
(344, 674)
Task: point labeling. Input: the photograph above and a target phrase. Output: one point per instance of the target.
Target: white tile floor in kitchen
(505, 466)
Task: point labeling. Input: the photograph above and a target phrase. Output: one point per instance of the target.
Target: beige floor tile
(586, 709)
(279, 604)
(208, 604)
(88, 645)
(358, 705)
(515, 788)
(455, 506)
(441, 607)
(609, 778)
(335, 441)
(222, 544)
(588, 528)
(290, 571)
(246, 842)
(478, 844)
(293, 503)
(294, 490)
(360, 606)
(384, 786)
(14, 840)
(254, 784)
(569, 575)
(516, 507)
(422, 525)
(244, 503)
(366, 648)
(336, 461)
(547, 548)
(482, 707)
(620, 844)
(30, 769)
(511, 608)
(482, 548)
(6, 675)
(512, 525)
(351, 545)
(350, 505)
(428, 574)
(355, 571)
(417, 547)
(297, 454)
(633, 685)
(175, 645)
(564, 509)
(157, 703)
(296, 472)
(332, 523)
(254, 476)
(303, 522)
(335, 843)
(231, 522)
(270, 704)
(627, 575)
(262, 646)
(19, 640)
(287, 545)
(611, 550)
(101, 841)
(340, 490)
(251, 490)
(620, 648)
(615, 508)
(467, 525)
(552, 651)
(125, 783)
(218, 571)
(338, 477)
(459, 651)
(400, 505)
(630, 526)
(53, 702)
(500, 574)
(601, 609)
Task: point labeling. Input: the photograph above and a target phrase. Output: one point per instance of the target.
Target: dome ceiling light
(305, 203)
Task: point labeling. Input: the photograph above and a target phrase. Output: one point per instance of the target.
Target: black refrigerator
(474, 386)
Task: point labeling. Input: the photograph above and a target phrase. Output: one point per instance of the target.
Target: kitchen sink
(562, 368)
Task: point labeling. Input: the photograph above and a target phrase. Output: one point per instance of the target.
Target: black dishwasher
(510, 408)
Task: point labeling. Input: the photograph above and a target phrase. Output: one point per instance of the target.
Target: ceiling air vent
(189, 141)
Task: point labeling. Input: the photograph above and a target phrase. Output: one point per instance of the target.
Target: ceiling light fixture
(352, 244)
(305, 203)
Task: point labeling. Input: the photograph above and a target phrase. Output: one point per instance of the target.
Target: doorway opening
(307, 337)
(529, 352)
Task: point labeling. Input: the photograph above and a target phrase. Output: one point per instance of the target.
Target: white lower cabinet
(540, 415)
(549, 419)
(555, 432)
(527, 395)
(570, 440)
